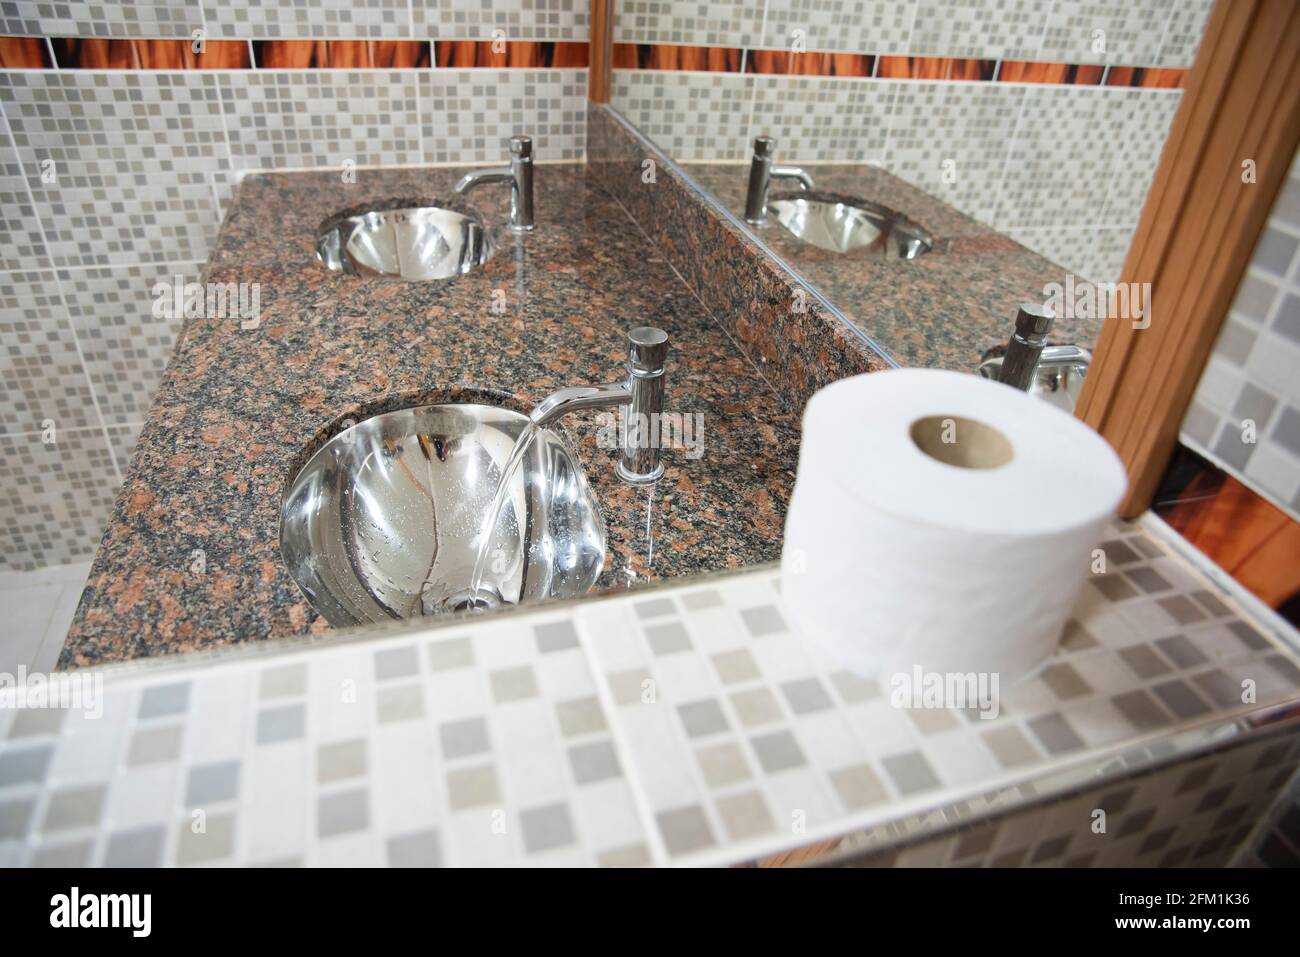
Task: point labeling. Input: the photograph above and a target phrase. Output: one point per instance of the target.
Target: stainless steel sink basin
(839, 225)
(384, 521)
(414, 243)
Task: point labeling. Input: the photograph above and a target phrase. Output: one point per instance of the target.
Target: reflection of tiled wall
(1254, 371)
(143, 162)
(1136, 32)
(1195, 813)
(1277, 842)
(791, 336)
(1062, 166)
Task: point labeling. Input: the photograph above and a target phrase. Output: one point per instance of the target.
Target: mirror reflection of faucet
(838, 224)
(761, 174)
(1028, 363)
(519, 174)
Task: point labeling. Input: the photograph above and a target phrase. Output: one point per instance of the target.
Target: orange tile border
(512, 54)
(24, 53)
(94, 53)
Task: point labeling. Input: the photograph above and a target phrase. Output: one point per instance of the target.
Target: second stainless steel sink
(386, 519)
(840, 225)
(414, 243)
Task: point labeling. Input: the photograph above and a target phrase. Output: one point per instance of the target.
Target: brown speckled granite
(940, 310)
(238, 408)
(777, 320)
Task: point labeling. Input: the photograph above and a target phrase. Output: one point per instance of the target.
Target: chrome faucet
(762, 172)
(1029, 364)
(520, 175)
(642, 391)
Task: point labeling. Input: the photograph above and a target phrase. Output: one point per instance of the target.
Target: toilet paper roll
(942, 521)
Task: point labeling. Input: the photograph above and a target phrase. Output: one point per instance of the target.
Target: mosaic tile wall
(113, 181)
(1276, 843)
(688, 726)
(1197, 813)
(1245, 416)
(1016, 148)
(1135, 32)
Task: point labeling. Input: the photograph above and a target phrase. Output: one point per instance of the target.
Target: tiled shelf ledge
(688, 725)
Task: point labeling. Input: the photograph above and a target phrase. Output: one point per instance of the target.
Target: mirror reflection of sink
(414, 243)
(840, 226)
(384, 521)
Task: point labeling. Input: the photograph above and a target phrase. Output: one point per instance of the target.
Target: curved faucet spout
(520, 176)
(479, 176)
(761, 173)
(792, 172)
(575, 398)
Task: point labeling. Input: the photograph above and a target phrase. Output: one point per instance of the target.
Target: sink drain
(486, 599)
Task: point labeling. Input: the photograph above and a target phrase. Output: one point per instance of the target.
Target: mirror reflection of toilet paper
(942, 521)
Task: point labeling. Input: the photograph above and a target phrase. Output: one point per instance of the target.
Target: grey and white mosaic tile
(1245, 415)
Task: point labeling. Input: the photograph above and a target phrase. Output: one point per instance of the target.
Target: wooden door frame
(600, 59)
(1197, 233)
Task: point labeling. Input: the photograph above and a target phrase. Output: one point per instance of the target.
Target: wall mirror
(932, 164)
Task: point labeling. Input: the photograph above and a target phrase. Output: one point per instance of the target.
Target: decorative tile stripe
(297, 19)
(340, 54)
(93, 54)
(73, 53)
(663, 56)
(498, 54)
(1022, 71)
(648, 56)
(810, 64)
(24, 53)
(100, 54)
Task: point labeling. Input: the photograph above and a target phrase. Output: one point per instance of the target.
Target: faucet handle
(763, 146)
(647, 350)
(521, 146)
(1033, 322)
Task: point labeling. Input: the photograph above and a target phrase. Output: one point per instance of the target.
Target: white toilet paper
(942, 521)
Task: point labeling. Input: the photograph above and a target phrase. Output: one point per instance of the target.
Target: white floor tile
(50, 575)
(57, 630)
(26, 615)
(37, 610)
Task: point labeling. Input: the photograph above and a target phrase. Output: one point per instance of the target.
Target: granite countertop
(941, 310)
(191, 556)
